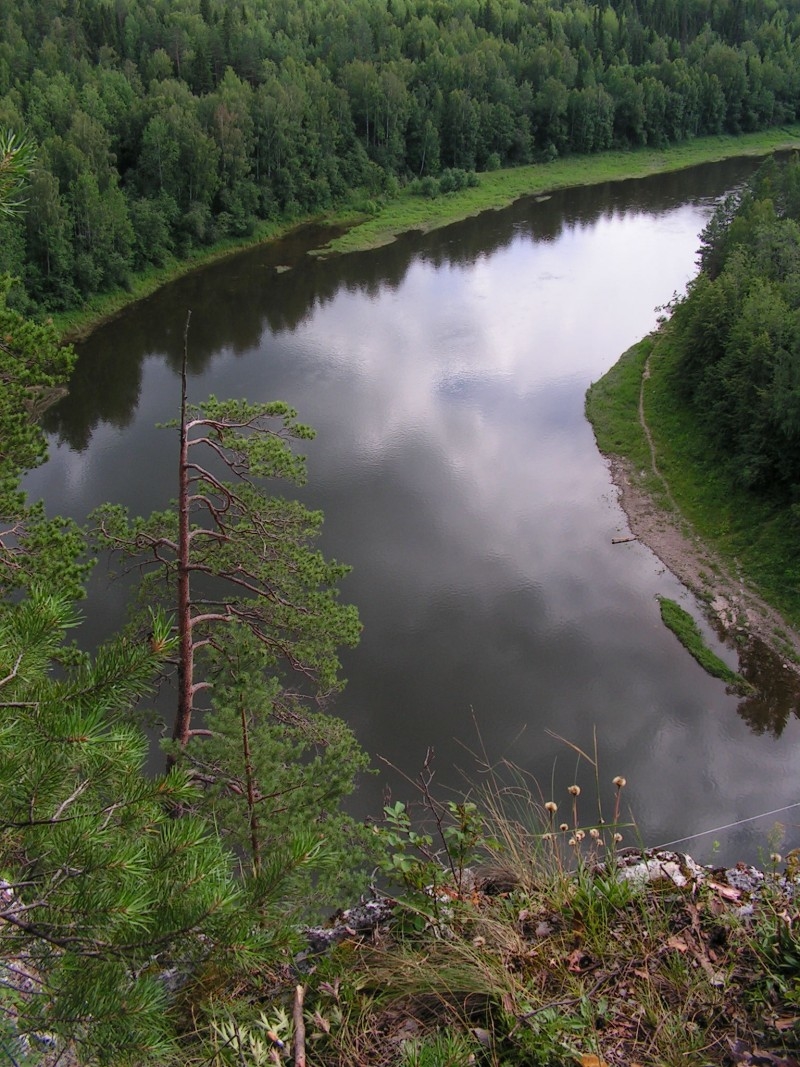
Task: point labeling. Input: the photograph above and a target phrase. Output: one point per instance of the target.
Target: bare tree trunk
(299, 1027)
(251, 793)
(183, 718)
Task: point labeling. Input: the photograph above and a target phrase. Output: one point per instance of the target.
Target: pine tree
(34, 368)
(17, 156)
(275, 787)
(103, 894)
(259, 625)
(231, 555)
(104, 898)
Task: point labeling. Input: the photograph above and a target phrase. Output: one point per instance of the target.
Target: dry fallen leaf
(579, 962)
(678, 944)
(725, 891)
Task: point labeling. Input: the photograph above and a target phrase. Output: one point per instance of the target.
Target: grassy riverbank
(612, 406)
(752, 537)
(496, 189)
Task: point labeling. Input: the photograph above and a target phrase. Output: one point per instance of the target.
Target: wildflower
(579, 835)
(594, 832)
(551, 806)
(775, 857)
(572, 842)
(619, 782)
(617, 838)
(564, 827)
(574, 790)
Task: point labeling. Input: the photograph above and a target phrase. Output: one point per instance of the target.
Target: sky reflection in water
(459, 477)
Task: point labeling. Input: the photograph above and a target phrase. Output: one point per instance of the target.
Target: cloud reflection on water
(459, 476)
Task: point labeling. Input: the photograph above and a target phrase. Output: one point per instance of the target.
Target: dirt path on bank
(738, 613)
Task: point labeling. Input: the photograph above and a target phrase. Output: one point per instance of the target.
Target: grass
(390, 217)
(688, 633)
(756, 538)
(612, 407)
(550, 954)
(500, 188)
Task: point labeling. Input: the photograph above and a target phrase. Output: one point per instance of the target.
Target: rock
(362, 919)
(645, 868)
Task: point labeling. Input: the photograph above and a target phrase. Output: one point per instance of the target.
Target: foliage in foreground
(123, 915)
(102, 891)
(34, 368)
(259, 626)
(518, 938)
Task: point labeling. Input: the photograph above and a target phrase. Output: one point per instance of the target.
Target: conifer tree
(104, 899)
(259, 625)
(232, 555)
(103, 895)
(17, 156)
(34, 368)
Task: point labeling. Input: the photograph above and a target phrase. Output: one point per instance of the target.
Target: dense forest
(164, 126)
(737, 333)
(156, 917)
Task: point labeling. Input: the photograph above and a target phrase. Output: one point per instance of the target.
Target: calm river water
(445, 376)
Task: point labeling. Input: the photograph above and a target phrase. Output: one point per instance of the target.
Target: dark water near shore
(445, 376)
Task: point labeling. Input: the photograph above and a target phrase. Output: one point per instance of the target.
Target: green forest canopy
(737, 334)
(164, 126)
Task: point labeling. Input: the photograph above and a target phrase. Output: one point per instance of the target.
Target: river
(445, 376)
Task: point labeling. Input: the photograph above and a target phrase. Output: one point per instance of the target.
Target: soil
(738, 613)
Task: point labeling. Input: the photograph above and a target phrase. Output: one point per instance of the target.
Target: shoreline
(735, 609)
(543, 179)
(767, 643)
(496, 190)
(742, 619)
